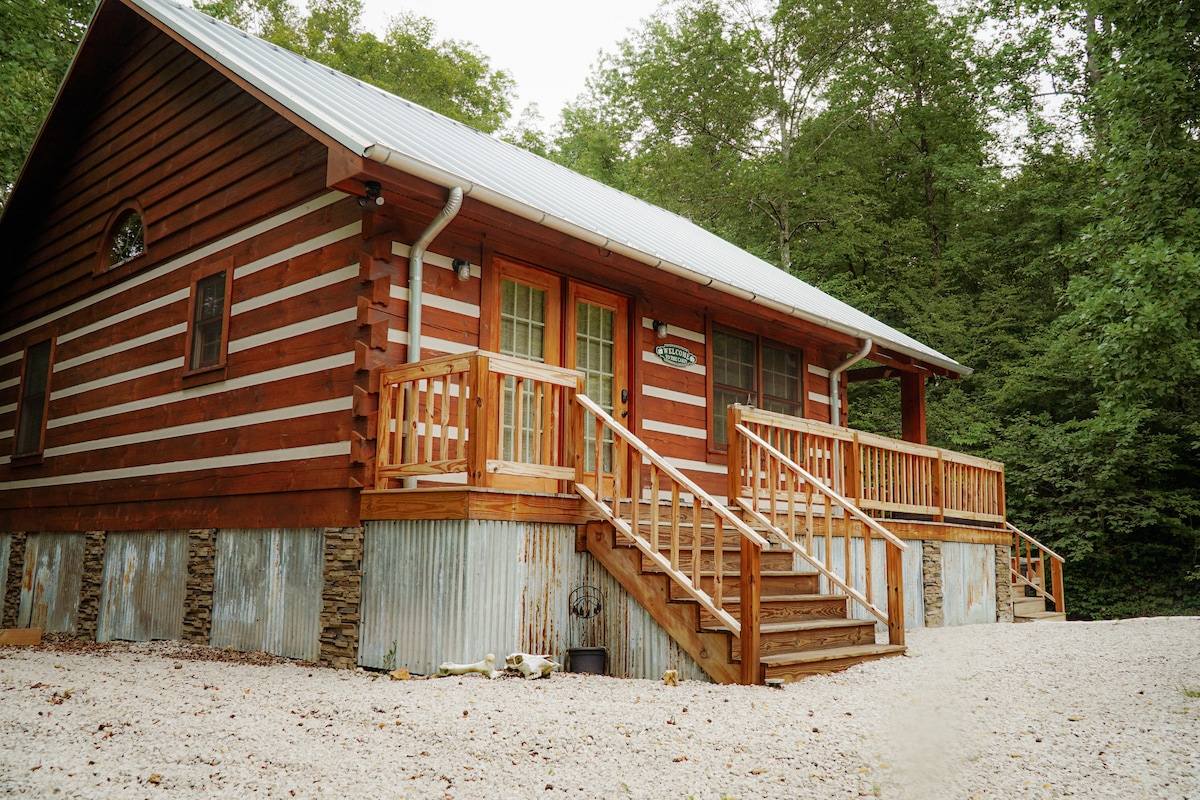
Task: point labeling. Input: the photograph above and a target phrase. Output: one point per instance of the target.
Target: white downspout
(835, 381)
(835, 407)
(416, 270)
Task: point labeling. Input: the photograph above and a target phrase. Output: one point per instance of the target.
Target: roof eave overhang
(386, 156)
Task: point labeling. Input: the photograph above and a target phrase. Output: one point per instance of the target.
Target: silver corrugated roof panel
(386, 128)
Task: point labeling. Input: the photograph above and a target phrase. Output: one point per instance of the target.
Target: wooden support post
(1056, 577)
(478, 417)
(733, 469)
(895, 581)
(912, 407)
(575, 445)
(750, 595)
(939, 489)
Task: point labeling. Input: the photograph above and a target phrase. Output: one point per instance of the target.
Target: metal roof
(386, 128)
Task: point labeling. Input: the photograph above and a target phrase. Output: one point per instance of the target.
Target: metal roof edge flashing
(382, 154)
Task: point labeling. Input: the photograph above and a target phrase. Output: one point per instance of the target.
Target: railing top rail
(644, 450)
(497, 363)
(788, 422)
(428, 368)
(1033, 541)
(521, 368)
(822, 488)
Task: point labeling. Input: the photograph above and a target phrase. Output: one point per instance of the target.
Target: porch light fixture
(660, 329)
(374, 196)
(462, 269)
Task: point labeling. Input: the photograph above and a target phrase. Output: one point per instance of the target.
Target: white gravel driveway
(1049, 710)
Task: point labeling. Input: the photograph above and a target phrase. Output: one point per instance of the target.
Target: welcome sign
(675, 355)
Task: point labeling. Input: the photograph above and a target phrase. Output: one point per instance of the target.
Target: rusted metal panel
(968, 583)
(914, 589)
(441, 590)
(50, 581)
(144, 586)
(5, 549)
(267, 591)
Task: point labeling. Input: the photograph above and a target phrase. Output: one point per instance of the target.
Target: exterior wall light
(374, 196)
(462, 269)
(660, 329)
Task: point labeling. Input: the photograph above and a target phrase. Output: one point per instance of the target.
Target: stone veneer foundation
(342, 596)
(90, 584)
(1004, 608)
(198, 600)
(931, 578)
(12, 581)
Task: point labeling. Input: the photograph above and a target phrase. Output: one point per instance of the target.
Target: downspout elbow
(835, 381)
(416, 269)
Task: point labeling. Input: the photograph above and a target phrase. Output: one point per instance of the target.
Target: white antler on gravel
(486, 668)
(531, 666)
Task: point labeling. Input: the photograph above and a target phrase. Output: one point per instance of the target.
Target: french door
(557, 321)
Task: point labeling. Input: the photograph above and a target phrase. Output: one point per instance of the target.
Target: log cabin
(288, 363)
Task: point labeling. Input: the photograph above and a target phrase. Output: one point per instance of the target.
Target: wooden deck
(716, 572)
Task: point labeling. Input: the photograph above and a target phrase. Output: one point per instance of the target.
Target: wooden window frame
(713, 328)
(502, 268)
(33, 456)
(211, 373)
(102, 266)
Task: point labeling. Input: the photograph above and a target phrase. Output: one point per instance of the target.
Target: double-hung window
(208, 325)
(35, 396)
(750, 370)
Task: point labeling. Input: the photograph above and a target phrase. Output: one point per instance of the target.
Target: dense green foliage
(37, 41)
(450, 77)
(1017, 185)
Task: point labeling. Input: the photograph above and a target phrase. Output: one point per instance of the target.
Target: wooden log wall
(223, 183)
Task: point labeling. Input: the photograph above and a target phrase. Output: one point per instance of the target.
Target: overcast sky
(548, 47)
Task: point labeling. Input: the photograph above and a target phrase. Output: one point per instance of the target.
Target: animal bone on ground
(486, 668)
(531, 666)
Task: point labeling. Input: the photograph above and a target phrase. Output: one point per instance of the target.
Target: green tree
(451, 77)
(37, 41)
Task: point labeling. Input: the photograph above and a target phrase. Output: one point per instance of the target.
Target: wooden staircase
(1033, 590)
(801, 631)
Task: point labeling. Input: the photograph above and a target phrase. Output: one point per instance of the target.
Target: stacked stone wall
(12, 581)
(198, 602)
(931, 578)
(1004, 608)
(90, 584)
(342, 597)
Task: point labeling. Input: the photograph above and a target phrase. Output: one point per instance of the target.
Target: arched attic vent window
(126, 239)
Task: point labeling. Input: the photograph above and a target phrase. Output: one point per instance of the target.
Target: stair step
(731, 561)
(794, 666)
(1041, 616)
(786, 608)
(1024, 606)
(806, 635)
(774, 583)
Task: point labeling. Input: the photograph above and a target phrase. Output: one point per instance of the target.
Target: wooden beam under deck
(463, 502)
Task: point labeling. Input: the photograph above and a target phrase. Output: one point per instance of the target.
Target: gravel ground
(1049, 710)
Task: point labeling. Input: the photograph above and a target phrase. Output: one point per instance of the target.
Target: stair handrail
(752, 541)
(1056, 595)
(894, 616)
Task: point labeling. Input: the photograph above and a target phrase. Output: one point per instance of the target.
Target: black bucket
(587, 660)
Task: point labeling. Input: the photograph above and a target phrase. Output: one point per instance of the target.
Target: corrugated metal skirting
(914, 589)
(968, 583)
(144, 586)
(455, 590)
(50, 581)
(267, 591)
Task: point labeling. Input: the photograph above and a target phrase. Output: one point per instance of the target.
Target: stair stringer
(681, 620)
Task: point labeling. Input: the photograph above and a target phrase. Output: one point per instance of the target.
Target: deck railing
(498, 420)
(617, 496)
(800, 508)
(1028, 569)
(886, 477)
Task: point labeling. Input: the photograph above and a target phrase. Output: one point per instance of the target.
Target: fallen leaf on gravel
(1074, 719)
(154, 778)
(679, 758)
